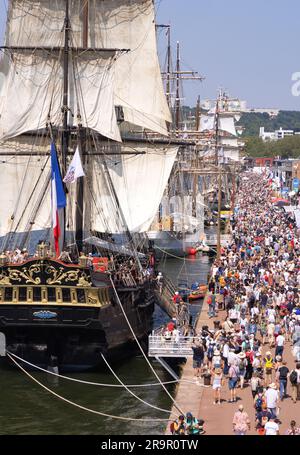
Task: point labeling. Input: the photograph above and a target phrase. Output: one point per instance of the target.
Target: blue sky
(249, 47)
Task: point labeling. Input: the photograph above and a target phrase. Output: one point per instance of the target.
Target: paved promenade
(218, 418)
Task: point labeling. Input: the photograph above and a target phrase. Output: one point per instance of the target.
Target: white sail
(130, 24)
(207, 123)
(226, 123)
(32, 93)
(21, 208)
(132, 81)
(139, 181)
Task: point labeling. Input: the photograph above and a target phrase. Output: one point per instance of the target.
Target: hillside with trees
(252, 121)
(288, 147)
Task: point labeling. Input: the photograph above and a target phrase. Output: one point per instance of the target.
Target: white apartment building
(274, 136)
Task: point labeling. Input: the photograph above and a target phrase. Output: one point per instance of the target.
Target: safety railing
(160, 346)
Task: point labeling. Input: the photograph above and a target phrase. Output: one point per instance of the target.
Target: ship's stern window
(22, 294)
(66, 295)
(51, 295)
(37, 294)
(80, 295)
(8, 294)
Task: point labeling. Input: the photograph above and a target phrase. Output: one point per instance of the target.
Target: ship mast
(177, 101)
(65, 108)
(82, 144)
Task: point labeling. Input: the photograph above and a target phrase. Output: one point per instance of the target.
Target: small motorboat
(198, 293)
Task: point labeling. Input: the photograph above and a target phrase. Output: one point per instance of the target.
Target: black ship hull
(76, 338)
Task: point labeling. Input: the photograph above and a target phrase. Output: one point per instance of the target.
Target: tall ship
(80, 180)
(179, 222)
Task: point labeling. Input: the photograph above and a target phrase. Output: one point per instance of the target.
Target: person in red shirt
(176, 297)
(171, 326)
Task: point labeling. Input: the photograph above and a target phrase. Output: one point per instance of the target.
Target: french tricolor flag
(58, 198)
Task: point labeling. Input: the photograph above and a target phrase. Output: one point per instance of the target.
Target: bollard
(2, 345)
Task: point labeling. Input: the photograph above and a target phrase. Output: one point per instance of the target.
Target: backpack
(258, 404)
(210, 352)
(172, 429)
(294, 377)
(268, 363)
(242, 365)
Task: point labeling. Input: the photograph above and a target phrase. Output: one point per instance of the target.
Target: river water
(26, 408)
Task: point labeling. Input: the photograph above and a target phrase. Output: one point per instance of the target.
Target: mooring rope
(84, 408)
(140, 347)
(99, 384)
(131, 393)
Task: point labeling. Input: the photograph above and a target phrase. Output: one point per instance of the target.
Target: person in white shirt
(271, 428)
(272, 399)
(232, 357)
(254, 312)
(279, 344)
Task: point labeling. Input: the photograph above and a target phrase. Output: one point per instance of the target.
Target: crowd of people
(254, 292)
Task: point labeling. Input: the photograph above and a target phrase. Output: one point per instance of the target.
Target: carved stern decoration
(51, 282)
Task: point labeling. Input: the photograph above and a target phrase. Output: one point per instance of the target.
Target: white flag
(75, 169)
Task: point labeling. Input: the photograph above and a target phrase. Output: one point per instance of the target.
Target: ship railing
(179, 346)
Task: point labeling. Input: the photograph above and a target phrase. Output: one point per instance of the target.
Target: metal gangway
(160, 346)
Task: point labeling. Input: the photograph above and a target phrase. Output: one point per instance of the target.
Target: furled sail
(105, 79)
(139, 181)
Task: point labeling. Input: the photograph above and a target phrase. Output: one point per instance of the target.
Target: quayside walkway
(259, 275)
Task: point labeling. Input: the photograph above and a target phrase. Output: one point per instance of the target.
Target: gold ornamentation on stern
(92, 296)
(4, 279)
(60, 275)
(84, 280)
(27, 274)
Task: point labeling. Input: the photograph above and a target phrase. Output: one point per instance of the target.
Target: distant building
(270, 111)
(275, 135)
(263, 162)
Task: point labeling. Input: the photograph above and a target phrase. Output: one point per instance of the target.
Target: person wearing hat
(268, 367)
(177, 298)
(217, 384)
(178, 426)
(217, 359)
(192, 425)
(241, 422)
(159, 280)
(242, 364)
(198, 357)
(257, 364)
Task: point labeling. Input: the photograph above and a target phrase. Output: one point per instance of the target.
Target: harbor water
(28, 409)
